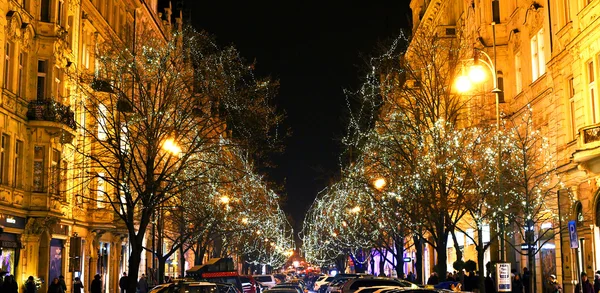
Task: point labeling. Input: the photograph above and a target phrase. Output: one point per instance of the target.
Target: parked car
(186, 287)
(281, 290)
(249, 285)
(266, 280)
(289, 286)
(336, 285)
(321, 281)
(353, 285)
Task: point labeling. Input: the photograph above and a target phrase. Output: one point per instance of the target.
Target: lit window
(17, 164)
(591, 74)
(41, 79)
(38, 169)
(4, 143)
(518, 74)
(7, 65)
(572, 109)
(100, 195)
(538, 60)
(55, 172)
(102, 133)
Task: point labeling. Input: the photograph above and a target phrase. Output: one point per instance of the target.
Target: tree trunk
(382, 258)
(480, 259)
(134, 263)
(162, 261)
(419, 259)
(340, 263)
(459, 254)
(531, 264)
(399, 244)
(441, 251)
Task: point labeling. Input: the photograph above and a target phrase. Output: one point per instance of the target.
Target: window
(58, 94)
(38, 168)
(4, 142)
(102, 134)
(55, 172)
(591, 74)
(59, 12)
(538, 60)
(571, 95)
(566, 11)
(518, 74)
(20, 73)
(41, 79)
(17, 167)
(7, 71)
(100, 196)
(45, 11)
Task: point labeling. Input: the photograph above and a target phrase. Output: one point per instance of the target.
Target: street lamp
(463, 83)
(379, 183)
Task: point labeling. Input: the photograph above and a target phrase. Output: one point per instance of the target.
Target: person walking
(77, 286)
(597, 282)
(96, 285)
(62, 283)
(30, 286)
(585, 286)
(124, 282)
(517, 284)
(55, 286)
(9, 285)
(142, 285)
(526, 280)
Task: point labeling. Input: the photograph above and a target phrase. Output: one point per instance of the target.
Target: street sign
(503, 277)
(573, 234)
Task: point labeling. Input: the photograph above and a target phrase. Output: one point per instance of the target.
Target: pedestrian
(517, 284)
(6, 284)
(411, 276)
(123, 283)
(142, 285)
(433, 279)
(77, 286)
(62, 283)
(30, 286)
(489, 284)
(552, 285)
(14, 286)
(55, 286)
(597, 282)
(585, 285)
(526, 280)
(96, 285)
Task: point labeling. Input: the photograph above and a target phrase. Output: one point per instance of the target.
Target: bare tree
(154, 117)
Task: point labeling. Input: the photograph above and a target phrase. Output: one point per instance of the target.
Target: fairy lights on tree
(180, 90)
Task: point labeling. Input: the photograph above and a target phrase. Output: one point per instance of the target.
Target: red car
(249, 284)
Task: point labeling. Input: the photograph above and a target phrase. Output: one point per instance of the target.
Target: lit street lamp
(379, 183)
(476, 74)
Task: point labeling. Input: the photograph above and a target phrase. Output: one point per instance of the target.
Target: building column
(29, 256)
(115, 266)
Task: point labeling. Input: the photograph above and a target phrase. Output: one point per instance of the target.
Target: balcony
(588, 148)
(56, 118)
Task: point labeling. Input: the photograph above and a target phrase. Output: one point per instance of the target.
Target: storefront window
(56, 247)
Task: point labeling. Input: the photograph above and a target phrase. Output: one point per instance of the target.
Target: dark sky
(316, 49)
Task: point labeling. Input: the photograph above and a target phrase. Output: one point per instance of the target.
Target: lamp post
(463, 84)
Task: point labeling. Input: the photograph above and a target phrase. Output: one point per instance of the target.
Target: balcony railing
(49, 110)
(590, 134)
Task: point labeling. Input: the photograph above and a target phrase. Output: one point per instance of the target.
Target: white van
(266, 280)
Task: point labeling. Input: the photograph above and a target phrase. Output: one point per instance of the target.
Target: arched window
(579, 213)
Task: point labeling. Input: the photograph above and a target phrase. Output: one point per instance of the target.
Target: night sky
(316, 49)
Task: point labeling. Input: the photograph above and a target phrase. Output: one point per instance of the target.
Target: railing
(49, 110)
(590, 134)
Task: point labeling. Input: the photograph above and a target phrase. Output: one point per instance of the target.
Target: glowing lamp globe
(379, 183)
(477, 74)
(463, 84)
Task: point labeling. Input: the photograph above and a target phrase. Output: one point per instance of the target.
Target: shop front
(10, 245)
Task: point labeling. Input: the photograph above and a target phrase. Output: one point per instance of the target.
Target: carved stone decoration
(536, 18)
(37, 226)
(13, 25)
(28, 34)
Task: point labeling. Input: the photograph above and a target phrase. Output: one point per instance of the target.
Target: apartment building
(50, 229)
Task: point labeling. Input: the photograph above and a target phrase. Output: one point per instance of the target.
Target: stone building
(50, 229)
(547, 56)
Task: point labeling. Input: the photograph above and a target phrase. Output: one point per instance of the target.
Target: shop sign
(9, 244)
(12, 221)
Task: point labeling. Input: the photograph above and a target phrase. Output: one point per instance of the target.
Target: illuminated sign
(11, 220)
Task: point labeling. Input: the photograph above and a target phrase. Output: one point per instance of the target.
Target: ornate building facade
(548, 56)
(50, 228)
